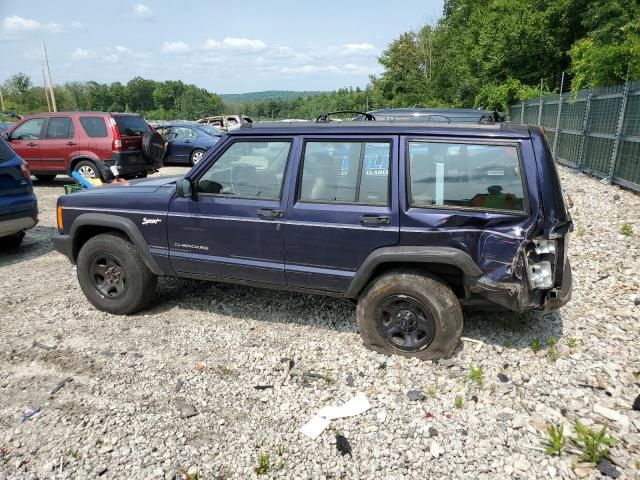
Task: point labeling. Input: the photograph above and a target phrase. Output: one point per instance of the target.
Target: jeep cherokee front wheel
(113, 275)
(410, 313)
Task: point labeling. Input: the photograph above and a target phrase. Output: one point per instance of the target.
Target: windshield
(131, 125)
(216, 132)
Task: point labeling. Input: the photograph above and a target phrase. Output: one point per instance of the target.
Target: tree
(140, 94)
(612, 47)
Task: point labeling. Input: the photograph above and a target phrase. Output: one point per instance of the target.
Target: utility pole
(46, 94)
(1, 100)
(46, 64)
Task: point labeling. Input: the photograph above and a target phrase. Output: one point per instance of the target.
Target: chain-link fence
(595, 130)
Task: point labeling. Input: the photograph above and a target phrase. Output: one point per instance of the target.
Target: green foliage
(556, 441)
(626, 230)
(154, 100)
(498, 96)
(595, 445)
(432, 391)
(612, 46)
(458, 401)
(571, 343)
(476, 374)
(536, 345)
(262, 468)
(552, 348)
(581, 231)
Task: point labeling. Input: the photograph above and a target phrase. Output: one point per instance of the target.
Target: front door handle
(375, 219)
(71, 144)
(270, 213)
(31, 144)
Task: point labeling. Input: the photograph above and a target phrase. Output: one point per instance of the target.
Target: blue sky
(226, 47)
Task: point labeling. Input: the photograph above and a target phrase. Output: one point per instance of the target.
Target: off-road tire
(45, 178)
(154, 147)
(140, 285)
(440, 302)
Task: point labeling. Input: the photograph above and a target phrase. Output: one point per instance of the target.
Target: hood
(141, 184)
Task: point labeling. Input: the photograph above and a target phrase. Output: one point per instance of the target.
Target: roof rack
(326, 117)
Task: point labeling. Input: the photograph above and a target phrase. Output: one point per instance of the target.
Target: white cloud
(175, 47)
(82, 54)
(140, 10)
(358, 49)
(307, 69)
(15, 23)
(235, 44)
(111, 58)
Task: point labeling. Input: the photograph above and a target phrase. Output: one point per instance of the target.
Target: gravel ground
(204, 347)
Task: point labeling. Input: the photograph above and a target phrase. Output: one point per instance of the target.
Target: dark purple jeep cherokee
(414, 221)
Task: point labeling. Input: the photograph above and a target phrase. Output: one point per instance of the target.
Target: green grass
(459, 401)
(329, 378)
(571, 343)
(263, 464)
(536, 345)
(432, 391)
(556, 441)
(552, 350)
(581, 231)
(595, 445)
(626, 230)
(476, 374)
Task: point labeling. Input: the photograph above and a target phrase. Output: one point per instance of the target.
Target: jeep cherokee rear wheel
(113, 275)
(410, 313)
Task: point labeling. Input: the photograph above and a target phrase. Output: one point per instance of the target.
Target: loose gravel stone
(245, 337)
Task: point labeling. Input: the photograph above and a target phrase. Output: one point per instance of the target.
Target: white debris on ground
(137, 406)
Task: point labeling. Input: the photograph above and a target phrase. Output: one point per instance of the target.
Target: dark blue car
(412, 220)
(18, 204)
(188, 142)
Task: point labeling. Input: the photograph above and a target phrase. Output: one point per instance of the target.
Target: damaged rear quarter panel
(495, 240)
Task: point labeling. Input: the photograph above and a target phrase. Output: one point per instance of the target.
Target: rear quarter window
(484, 177)
(94, 127)
(131, 125)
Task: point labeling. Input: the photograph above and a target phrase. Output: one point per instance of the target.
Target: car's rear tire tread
(139, 276)
(442, 303)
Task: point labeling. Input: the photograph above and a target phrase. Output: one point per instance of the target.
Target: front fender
(114, 222)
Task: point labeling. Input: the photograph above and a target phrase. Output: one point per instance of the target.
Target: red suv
(95, 144)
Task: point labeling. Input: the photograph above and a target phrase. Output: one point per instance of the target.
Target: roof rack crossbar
(326, 117)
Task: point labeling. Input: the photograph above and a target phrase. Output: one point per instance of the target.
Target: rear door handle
(375, 219)
(270, 213)
(71, 144)
(31, 144)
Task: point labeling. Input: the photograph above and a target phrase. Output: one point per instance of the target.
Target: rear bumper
(17, 222)
(64, 245)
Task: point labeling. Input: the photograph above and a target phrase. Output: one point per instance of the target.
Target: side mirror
(183, 188)
(6, 136)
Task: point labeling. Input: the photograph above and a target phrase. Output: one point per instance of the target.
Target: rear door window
(131, 125)
(486, 177)
(346, 172)
(60, 127)
(94, 127)
(29, 130)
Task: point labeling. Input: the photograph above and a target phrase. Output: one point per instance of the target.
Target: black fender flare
(411, 255)
(122, 224)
